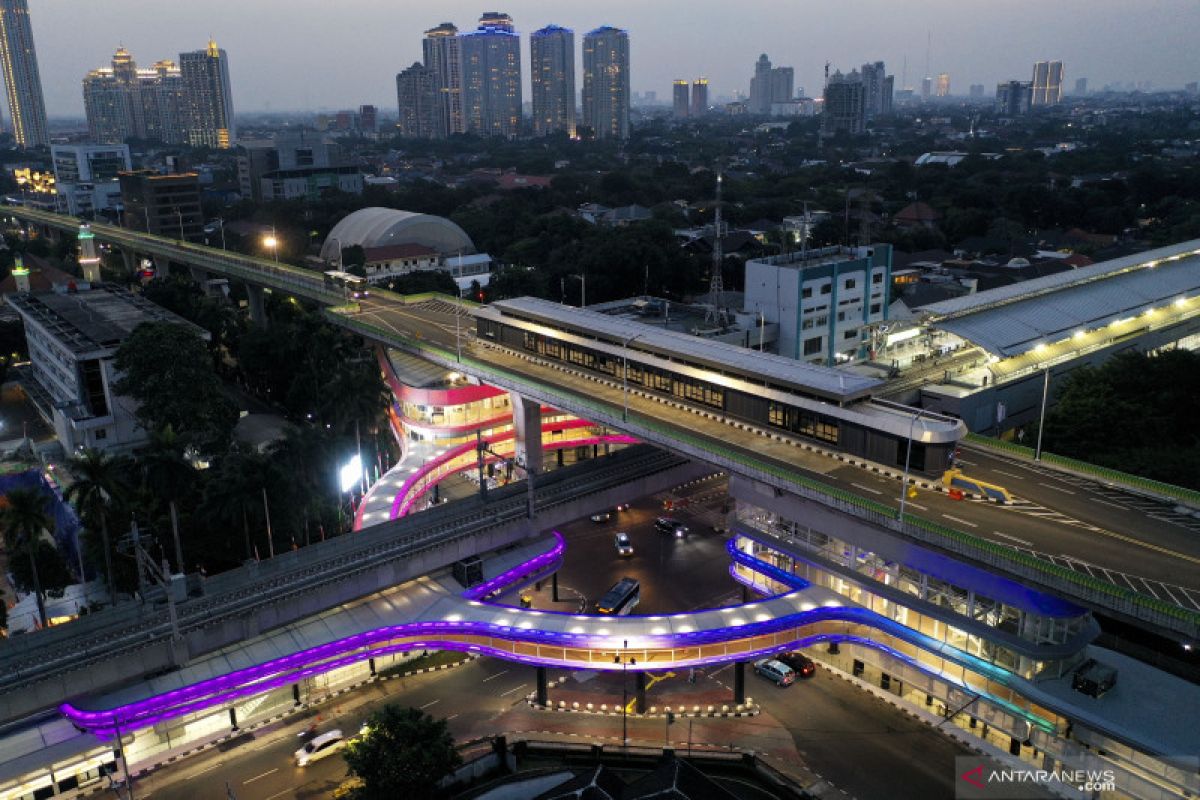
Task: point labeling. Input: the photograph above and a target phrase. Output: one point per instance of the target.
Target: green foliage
(166, 368)
(403, 755)
(424, 281)
(23, 519)
(183, 296)
(100, 491)
(354, 255)
(1135, 413)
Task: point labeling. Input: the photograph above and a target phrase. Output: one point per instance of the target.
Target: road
(1061, 519)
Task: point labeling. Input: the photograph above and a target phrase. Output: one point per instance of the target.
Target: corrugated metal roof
(1014, 319)
(825, 381)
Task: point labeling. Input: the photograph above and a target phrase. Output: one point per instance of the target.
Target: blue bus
(621, 599)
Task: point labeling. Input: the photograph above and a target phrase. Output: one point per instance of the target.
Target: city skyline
(1100, 41)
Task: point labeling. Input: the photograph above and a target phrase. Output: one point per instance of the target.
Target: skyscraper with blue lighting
(491, 77)
(552, 80)
(606, 82)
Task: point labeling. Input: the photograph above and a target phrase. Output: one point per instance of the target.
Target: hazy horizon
(296, 55)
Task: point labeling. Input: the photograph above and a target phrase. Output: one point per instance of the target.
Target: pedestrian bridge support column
(527, 424)
(162, 266)
(200, 277)
(543, 689)
(640, 695)
(739, 683)
(254, 302)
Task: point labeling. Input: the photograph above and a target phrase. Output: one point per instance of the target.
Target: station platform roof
(1012, 320)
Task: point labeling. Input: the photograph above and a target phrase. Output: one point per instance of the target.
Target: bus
(621, 599)
(355, 286)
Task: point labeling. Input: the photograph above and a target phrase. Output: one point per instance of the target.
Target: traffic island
(605, 694)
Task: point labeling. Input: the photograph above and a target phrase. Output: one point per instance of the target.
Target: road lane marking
(1014, 538)
(430, 703)
(1107, 503)
(514, 689)
(916, 505)
(256, 777)
(210, 769)
(866, 488)
(1057, 489)
(497, 675)
(963, 521)
(281, 794)
(964, 461)
(1009, 474)
(452, 716)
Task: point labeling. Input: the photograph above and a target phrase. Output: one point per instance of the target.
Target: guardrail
(1168, 491)
(1077, 585)
(130, 626)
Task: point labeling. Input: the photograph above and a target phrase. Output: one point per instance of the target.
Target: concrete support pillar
(527, 424)
(543, 690)
(162, 266)
(739, 683)
(258, 312)
(200, 277)
(640, 694)
(131, 261)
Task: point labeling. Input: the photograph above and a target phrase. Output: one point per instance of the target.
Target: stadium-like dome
(377, 227)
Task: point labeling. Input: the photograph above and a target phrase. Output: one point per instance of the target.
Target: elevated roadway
(1021, 541)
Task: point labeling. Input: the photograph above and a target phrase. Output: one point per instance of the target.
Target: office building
(85, 176)
(760, 86)
(926, 87)
(124, 101)
(1047, 83)
(877, 89)
(166, 205)
(976, 91)
(822, 300)
(606, 83)
(22, 80)
(845, 104)
(73, 336)
(943, 84)
(208, 97)
(700, 97)
(443, 58)
(368, 120)
(681, 104)
(295, 165)
(1081, 88)
(419, 102)
(1013, 97)
(552, 80)
(491, 78)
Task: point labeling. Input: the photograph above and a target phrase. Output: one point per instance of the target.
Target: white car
(624, 546)
(320, 746)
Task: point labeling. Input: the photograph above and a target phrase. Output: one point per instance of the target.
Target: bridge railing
(1168, 491)
(1078, 585)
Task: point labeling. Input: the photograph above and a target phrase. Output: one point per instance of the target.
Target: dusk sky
(313, 54)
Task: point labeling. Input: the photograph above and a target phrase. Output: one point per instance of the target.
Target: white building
(824, 301)
(86, 176)
(73, 336)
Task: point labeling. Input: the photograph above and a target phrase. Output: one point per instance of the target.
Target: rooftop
(96, 319)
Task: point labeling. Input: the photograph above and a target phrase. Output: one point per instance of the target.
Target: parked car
(624, 546)
(320, 746)
(802, 664)
(670, 525)
(776, 672)
(603, 516)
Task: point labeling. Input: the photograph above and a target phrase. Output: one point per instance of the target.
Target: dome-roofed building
(379, 227)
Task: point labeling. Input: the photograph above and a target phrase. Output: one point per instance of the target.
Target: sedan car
(320, 746)
(804, 666)
(603, 516)
(624, 546)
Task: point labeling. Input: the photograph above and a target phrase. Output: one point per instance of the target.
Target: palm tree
(23, 520)
(167, 475)
(97, 484)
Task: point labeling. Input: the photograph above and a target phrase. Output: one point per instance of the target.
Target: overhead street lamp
(908, 459)
(272, 242)
(625, 373)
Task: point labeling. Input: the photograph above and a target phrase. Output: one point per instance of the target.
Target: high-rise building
(552, 80)
(606, 82)
(1081, 89)
(926, 87)
(491, 78)
(167, 205)
(679, 97)
(783, 84)
(208, 97)
(22, 80)
(496, 19)
(760, 86)
(1047, 83)
(443, 58)
(845, 104)
(699, 97)
(368, 119)
(124, 101)
(943, 84)
(85, 176)
(417, 98)
(877, 89)
(1013, 97)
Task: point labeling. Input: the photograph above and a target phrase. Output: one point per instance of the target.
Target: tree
(23, 519)
(166, 475)
(97, 486)
(166, 368)
(405, 753)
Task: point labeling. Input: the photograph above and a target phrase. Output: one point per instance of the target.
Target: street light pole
(1037, 454)
(625, 662)
(907, 460)
(179, 212)
(625, 374)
